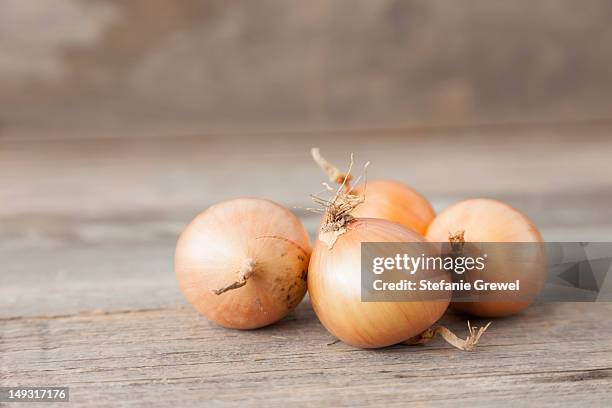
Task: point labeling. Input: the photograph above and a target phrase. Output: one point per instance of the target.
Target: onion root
(337, 210)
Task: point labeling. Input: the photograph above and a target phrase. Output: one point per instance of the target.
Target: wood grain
(553, 354)
(88, 298)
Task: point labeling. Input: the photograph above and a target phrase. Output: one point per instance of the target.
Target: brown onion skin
(334, 286)
(488, 220)
(219, 240)
(394, 201)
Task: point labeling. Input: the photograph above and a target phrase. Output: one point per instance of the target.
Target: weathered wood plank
(88, 296)
(110, 175)
(551, 354)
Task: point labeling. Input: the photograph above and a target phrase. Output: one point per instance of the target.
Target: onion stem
(466, 345)
(334, 174)
(246, 271)
(457, 240)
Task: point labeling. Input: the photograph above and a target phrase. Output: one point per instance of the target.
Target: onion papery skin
(226, 236)
(488, 220)
(334, 286)
(394, 201)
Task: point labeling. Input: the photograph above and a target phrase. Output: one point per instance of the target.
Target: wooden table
(88, 298)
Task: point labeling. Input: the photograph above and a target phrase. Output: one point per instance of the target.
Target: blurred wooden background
(276, 64)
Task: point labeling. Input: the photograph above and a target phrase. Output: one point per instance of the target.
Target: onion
(486, 220)
(394, 201)
(334, 285)
(334, 281)
(388, 200)
(243, 263)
